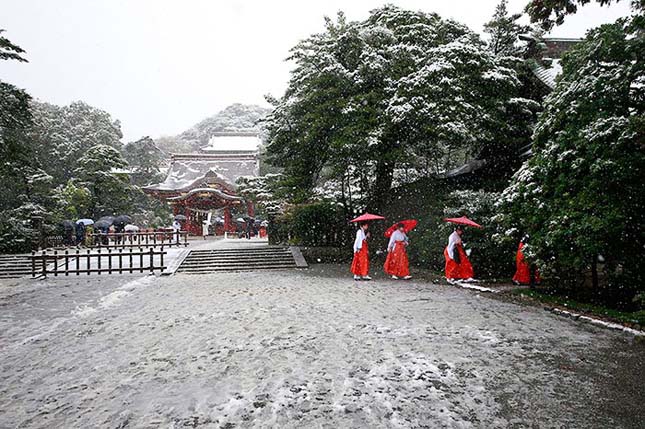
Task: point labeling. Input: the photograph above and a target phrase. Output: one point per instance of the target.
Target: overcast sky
(159, 66)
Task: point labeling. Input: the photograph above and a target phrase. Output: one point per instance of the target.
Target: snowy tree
(263, 191)
(552, 12)
(144, 159)
(400, 88)
(580, 196)
(60, 136)
(111, 193)
(504, 30)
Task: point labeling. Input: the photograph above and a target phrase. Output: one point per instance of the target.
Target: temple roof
(188, 171)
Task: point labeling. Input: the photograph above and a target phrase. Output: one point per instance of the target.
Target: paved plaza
(308, 348)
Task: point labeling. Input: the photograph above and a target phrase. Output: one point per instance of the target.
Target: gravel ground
(305, 348)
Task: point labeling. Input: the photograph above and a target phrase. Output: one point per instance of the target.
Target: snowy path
(302, 349)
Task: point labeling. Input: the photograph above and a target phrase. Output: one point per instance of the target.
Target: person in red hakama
(361, 262)
(525, 274)
(396, 263)
(458, 266)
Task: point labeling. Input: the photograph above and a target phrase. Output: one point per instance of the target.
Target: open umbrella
(181, 218)
(68, 224)
(131, 228)
(462, 221)
(367, 217)
(108, 219)
(408, 224)
(239, 219)
(85, 222)
(122, 220)
(102, 225)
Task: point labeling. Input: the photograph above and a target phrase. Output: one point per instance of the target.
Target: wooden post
(140, 260)
(120, 261)
(88, 261)
(130, 260)
(152, 261)
(33, 263)
(44, 263)
(78, 262)
(109, 261)
(66, 263)
(161, 258)
(99, 262)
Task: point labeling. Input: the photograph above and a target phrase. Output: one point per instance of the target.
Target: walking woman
(458, 266)
(525, 274)
(396, 263)
(361, 262)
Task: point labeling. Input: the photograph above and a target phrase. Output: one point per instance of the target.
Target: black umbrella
(108, 219)
(68, 224)
(181, 218)
(102, 224)
(122, 220)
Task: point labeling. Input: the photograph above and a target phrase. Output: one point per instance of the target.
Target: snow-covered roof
(548, 74)
(198, 170)
(233, 142)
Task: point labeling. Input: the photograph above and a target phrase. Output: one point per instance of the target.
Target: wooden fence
(112, 261)
(140, 239)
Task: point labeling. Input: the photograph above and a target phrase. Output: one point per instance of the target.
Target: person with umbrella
(397, 264)
(458, 267)
(361, 262)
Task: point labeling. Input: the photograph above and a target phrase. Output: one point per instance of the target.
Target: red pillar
(227, 220)
(250, 207)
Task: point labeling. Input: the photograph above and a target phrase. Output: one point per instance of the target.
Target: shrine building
(202, 186)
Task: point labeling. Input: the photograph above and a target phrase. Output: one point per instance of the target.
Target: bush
(316, 224)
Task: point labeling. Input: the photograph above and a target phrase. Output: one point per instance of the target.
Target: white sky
(159, 66)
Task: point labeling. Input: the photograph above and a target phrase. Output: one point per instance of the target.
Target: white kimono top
(358, 243)
(396, 236)
(453, 241)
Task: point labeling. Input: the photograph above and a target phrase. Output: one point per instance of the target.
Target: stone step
(275, 252)
(236, 258)
(206, 270)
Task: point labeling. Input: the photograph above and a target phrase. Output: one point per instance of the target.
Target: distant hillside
(234, 117)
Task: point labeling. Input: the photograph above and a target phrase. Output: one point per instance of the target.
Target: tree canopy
(580, 195)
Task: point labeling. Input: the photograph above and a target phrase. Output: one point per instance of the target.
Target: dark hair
(400, 225)
(459, 228)
(362, 224)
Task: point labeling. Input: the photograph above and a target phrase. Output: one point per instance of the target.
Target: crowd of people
(457, 269)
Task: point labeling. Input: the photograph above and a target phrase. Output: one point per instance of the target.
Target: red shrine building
(201, 186)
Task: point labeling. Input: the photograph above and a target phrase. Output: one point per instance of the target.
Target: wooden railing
(140, 239)
(112, 261)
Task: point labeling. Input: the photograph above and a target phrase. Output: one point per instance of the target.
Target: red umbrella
(408, 224)
(462, 221)
(367, 216)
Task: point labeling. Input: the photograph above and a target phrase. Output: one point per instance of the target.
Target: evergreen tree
(144, 158)
(552, 12)
(400, 88)
(504, 30)
(580, 195)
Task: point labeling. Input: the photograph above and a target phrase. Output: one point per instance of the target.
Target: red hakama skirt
(361, 262)
(464, 270)
(523, 269)
(397, 263)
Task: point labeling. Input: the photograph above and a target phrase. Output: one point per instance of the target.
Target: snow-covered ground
(302, 349)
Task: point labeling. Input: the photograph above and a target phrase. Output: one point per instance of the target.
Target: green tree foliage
(552, 12)
(581, 194)
(111, 192)
(503, 30)
(144, 158)
(60, 136)
(400, 89)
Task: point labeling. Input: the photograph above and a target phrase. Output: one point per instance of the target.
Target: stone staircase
(13, 266)
(241, 259)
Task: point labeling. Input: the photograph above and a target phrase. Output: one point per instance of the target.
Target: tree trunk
(594, 273)
(382, 186)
